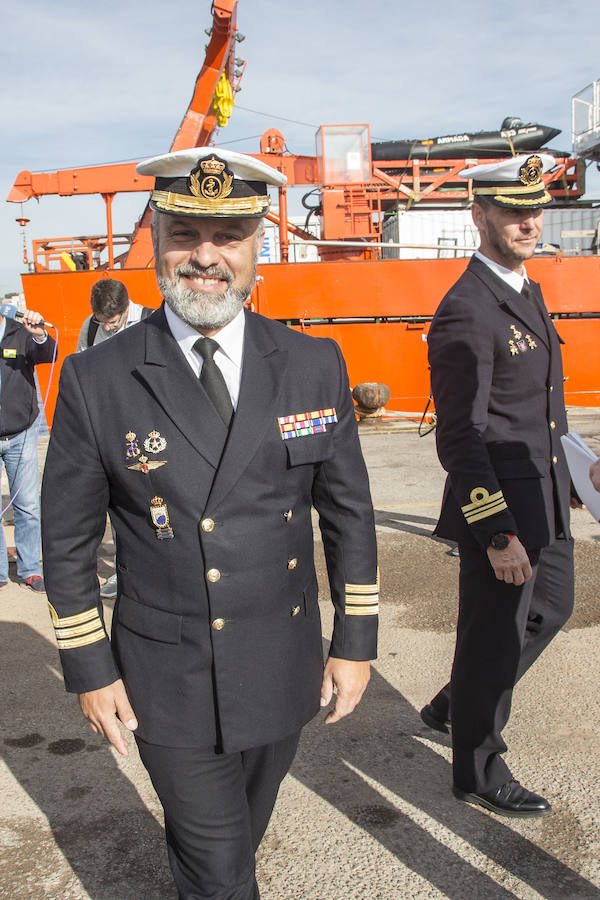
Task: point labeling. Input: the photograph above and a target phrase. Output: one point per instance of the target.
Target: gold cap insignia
(211, 180)
(531, 171)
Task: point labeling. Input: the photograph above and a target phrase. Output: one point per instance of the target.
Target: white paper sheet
(579, 459)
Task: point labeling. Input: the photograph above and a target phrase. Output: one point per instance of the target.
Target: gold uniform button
(555, 459)
(207, 525)
(218, 624)
(292, 563)
(551, 388)
(295, 610)
(553, 425)
(288, 515)
(213, 575)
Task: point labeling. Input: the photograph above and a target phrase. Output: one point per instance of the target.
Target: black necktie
(526, 290)
(528, 294)
(211, 379)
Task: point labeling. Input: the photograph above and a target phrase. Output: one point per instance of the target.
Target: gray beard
(208, 311)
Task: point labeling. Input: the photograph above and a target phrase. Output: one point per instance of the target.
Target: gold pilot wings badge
(139, 462)
(301, 424)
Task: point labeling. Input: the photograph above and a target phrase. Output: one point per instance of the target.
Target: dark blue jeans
(19, 455)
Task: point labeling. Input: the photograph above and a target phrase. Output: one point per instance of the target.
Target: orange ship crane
(196, 129)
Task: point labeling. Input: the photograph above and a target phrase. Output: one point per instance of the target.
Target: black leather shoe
(433, 719)
(510, 799)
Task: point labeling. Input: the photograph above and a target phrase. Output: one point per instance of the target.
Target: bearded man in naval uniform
(497, 381)
(208, 442)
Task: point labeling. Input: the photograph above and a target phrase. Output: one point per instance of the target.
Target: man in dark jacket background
(498, 386)
(22, 347)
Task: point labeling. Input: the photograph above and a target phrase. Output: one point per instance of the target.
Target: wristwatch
(500, 540)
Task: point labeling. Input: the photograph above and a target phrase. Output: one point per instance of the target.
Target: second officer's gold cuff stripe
(483, 504)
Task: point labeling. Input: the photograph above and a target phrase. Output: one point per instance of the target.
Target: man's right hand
(595, 474)
(512, 564)
(102, 708)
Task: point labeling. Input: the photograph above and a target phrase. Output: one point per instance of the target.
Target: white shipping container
(448, 232)
(443, 234)
(299, 252)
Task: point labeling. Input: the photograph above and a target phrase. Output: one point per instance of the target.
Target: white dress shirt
(514, 279)
(228, 357)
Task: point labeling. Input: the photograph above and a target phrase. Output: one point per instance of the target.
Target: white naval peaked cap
(515, 182)
(507, 170)
(208, 181)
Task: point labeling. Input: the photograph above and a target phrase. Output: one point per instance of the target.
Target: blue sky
(86, 84)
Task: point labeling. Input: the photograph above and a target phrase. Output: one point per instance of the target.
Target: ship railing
(446, 250)
(64, 254)
(423, 181)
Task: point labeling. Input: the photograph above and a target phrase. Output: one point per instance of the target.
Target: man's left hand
(348, 678)
(31, 322)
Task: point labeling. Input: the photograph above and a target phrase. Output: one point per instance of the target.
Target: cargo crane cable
(318, 208)
(250, 137)
(34, 460)
(259, 112)
(433, 422)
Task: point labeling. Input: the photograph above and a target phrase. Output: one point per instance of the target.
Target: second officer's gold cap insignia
(514, 183)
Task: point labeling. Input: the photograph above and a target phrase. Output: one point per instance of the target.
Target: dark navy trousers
(501, 631)
(217, 807)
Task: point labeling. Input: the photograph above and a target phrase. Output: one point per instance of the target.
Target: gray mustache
(190, 271)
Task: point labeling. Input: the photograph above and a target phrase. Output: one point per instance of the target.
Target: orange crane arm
(88, 180)
(122, 178)
(195, 130)
(198, 123)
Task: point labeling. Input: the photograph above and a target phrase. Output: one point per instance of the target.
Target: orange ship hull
(393, 300)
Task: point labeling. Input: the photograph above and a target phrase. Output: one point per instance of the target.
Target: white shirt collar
(230, 338)
(514, 279)
(229, 356)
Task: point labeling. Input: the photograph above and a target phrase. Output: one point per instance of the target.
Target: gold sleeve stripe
(82, 641)
(483, 504)
(489, 510)
(78, 630)
(362, 589)
(481, 497)
(362, 599)
(362, 612)
(72, 620)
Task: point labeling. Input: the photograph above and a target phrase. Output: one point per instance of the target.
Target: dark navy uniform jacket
(497, 382)
(216, 629)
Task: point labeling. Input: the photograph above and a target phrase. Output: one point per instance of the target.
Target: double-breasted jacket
(216, 629)
(497, 382)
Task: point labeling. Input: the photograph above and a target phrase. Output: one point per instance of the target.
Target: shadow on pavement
(115, 847)
(379, 743)
(100, 824)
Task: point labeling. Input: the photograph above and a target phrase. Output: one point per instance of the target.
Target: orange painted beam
(121, 177)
